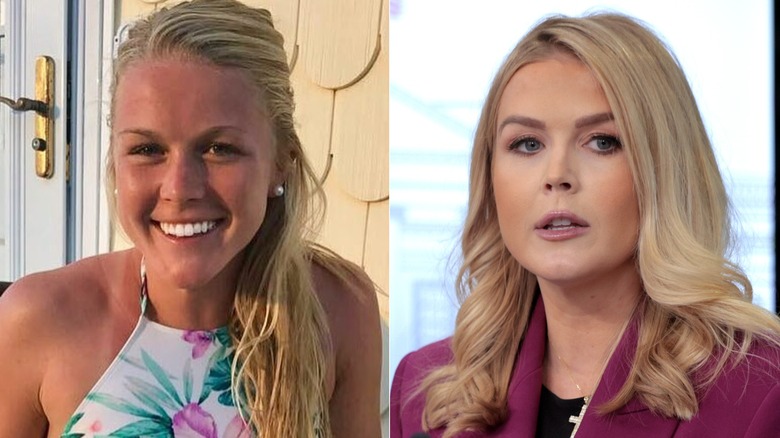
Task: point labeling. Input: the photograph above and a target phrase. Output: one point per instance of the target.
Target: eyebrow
(593, 119)
(209, 133)
(139, 131)
(522, 120)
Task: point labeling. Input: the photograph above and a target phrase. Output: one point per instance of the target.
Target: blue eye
(526, 145)
(604, 144)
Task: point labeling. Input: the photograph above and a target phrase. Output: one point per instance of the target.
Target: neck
(202, 307)
(584, 324)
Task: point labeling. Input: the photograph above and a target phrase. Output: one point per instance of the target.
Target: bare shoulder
(349, 299)
(41, 308)
(56, 296)
(39, 315)
(348, 291)
(22, 318)
(45, 295)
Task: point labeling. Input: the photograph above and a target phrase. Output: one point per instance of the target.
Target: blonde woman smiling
(223, 321)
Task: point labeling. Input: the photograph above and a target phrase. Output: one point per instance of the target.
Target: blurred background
(444, 55)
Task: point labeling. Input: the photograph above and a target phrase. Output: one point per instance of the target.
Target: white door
(34, 209)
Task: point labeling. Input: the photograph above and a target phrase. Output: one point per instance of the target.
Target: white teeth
(560, 222)
(187, 230)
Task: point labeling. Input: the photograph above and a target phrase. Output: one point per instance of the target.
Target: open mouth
(187, 229)
(561, 224)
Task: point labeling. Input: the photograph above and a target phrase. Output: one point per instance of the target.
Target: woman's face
(194, 164)
(566, 205)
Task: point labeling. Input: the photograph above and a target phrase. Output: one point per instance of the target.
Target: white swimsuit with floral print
(165, 382)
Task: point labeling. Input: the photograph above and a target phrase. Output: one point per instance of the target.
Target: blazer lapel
(634, 419)
(525, 386)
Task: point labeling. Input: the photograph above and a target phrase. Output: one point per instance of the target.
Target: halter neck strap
(144, 294)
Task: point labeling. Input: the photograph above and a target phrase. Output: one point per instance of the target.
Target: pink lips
(560, 225)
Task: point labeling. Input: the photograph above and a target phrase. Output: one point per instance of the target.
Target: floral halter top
(164, 382)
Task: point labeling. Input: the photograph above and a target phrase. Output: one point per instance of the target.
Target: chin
(196, 274)
(560, 273)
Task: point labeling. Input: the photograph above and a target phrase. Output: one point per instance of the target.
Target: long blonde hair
(697, 309)
(278, 326)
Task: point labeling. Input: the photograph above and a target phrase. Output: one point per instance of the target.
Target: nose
(561, 172)
(184, 178)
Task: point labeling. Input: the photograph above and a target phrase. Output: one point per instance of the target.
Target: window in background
(444, 54)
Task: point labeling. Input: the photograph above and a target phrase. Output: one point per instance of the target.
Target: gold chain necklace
(577, 420)
(571, 376)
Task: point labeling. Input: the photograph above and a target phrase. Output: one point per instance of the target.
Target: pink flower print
(236, 429)
(194, 422)
(201, 340)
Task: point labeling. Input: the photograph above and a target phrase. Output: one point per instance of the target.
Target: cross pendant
(578, 419)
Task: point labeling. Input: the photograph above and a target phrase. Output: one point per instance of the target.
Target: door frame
(94, 36)
(12, 87)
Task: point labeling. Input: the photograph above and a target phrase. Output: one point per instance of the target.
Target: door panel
(34, 208)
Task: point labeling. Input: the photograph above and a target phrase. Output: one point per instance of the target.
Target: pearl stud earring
(279, 190)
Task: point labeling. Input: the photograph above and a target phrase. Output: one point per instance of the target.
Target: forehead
(150, 89)
(557, 86)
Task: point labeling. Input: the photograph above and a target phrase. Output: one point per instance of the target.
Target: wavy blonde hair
(277, 325)
(697, 317)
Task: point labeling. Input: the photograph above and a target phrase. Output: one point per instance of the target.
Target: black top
(553, 419)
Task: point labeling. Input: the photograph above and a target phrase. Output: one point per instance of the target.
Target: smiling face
(564, 195)
(194, 162)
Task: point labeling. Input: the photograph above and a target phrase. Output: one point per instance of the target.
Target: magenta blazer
(743, 402)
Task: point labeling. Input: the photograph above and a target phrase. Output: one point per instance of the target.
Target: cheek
(622, 204)
(513, 193)
(129, 187)
(244, 192)
(625, 207)
(134, 197)
(512, 205)
(129, 180)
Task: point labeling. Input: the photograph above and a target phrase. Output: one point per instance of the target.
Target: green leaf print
(163, 434)
(72, 435)
(148, 401)
(72, 422)
(205, 393)
(155, 393)
(226, 398)
(188, 381)
(222, 335)
(159, 375)
(218, 377)
(121, 405)
(142, 428)
(141, 366)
